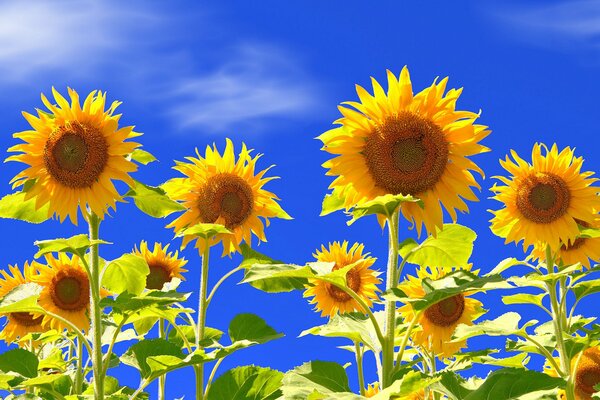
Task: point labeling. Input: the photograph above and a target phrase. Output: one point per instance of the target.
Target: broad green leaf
(14, 206)
(153, 200)
(409, 383)
(9, 381)
(22, 298)
(505, 325)
(452, 247)
(41, 380)
(204, 231)
(455, 386)
(585, 288)
(406, 246)
(505, 264)
(128, 303)
(247, 383)
(321, 376)
(465, 360)
(514, 384)
(383, 205)
(21, 361)
(137, 355)
(260, 271)
(126, 274)
(354, 326)
(331, 203)
(251, 327)
(211, 336)
(525, 298)
(142, 156)
(54, 360)
(77, 245)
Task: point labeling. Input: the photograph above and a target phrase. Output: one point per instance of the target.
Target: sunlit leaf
(77, 245)
(452, 246)
(204, 231)
(153, 200)
(505, 325)
(14, 206)
(525, 298)
(142, 156)
(331, 203)
(23, 298)
(251, 327)
(409, 383)
(320, 376)
(126, 274)
(354, 326)
(383, 205)
(585, 288)
(128, 302)
(20, 361)
(247, 383)
(514, 384)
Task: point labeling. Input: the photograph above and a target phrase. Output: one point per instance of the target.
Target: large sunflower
(222, 190)
(330, 299)
(404, 143)
(65, 291)
(74, 153)
(19, 324)
(587, 374)
(437, 323)
(164, 266)
(545, 200)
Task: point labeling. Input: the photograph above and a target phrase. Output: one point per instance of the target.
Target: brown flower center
(228, 196)
(352, 281)
(70, 290)
(406, 154)
(76, 154)
(26, 319)
(543, 197)
(158, 276)
(588, 377)
(446, 312)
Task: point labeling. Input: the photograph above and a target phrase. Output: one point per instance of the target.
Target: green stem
(220, 282)
(406, 337)
(95, 311)
(112, 345)
(390, 306)
(212, 376)
(79, 371)
(359, 368)
(202, 303)
(162, 380)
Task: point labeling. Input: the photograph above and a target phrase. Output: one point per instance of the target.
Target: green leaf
(77, 245)
(204, 231)
(252, 328)
(452, 247)
(22, 298)
(465, 360)
(247, 383)
(137, 355)
(506, 264)
(525, 298)
(505, 325)
(383, 205)
(409, 383)
(53, 361)
(14, 206)
(261, 273)
(127, 302)
(514, 384)
(21, 361)
(354, 326)
(585, 288)
(455, 386)
(331, 203)
(153, 200)
(142, 156)
(126, 274)
(321, 376)
(211, 336)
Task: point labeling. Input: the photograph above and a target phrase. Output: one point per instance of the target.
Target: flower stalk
(95, 310)
(201, 323)
(390, 306)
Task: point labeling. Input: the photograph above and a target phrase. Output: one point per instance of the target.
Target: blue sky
(271, 74)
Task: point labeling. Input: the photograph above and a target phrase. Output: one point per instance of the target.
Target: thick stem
(202, 303)
(162, 380)
(95, 311)
(390, 306)
(359, 368)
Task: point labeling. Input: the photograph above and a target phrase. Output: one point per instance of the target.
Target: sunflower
(587, 374)
(73, 154)
(410, 144)
(19, 324)
(544, 201)
(438, 322)
(218, 189)
(65, 291)
(163, 266)
(330, 299)
(372, 389)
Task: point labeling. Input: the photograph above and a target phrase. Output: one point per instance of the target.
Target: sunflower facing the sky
(219, 189)
(404, 143)
(164, 266)
(437, 323)
(546, 200)
(65, 291)
(330, 299)
(587, 374)
(74, 153)
(19, 324)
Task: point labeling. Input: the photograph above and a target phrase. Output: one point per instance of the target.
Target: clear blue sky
(271, 74)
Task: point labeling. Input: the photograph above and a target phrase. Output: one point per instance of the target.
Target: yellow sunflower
(65, 291)
(404, 143)
(164, 266)
(372, 389)
(222, 190)
(437, 323)
(19, 324)
(330, 299)
(74, 153)
(545, 200)
(587, 374)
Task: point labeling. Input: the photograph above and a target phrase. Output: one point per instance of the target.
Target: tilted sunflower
(164, 266)
(372, 389)
(546, 200)
(438, 322)
(19, 324)
(74, 153)
(222, 190)
(405, 143)
(587, 374)
(330, 299)
(65, 291)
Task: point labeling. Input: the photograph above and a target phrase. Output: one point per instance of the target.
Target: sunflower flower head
(220, 189)
(74, 153)
(546, 200)
(439, 321)
(404, 143)
(164, 265)
(19, 324)
(363, 280)
(587, 373)
(372, 389)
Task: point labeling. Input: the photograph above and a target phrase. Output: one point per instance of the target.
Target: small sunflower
(65, 291)
(330, 299)
(545, 200)
(218, 189)
(401, 143)
(372, 389)
(19, 324)
(74, 153)
(164, 266)
(587, 374)
(438, 322)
